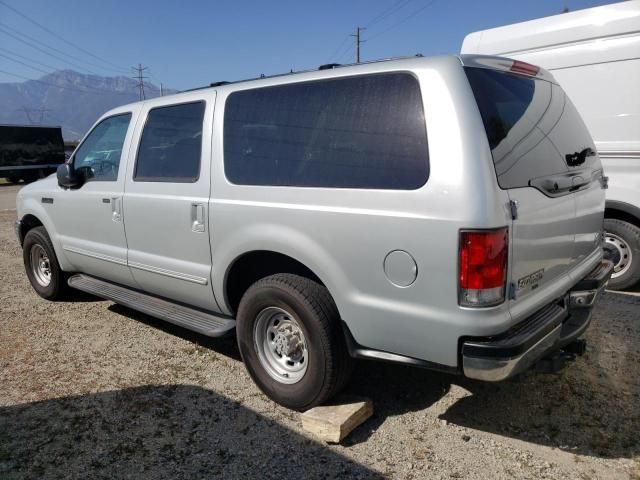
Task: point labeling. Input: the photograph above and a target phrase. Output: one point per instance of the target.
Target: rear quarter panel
(343, 235)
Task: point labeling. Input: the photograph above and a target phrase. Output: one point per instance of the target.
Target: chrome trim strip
(98, 256)
(29, 167)
(619, 153)
(169, 273)
(497, 369)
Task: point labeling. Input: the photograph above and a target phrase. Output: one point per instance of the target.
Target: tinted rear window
(530, 123)
(356, 132)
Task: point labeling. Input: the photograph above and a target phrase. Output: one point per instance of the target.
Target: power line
(399, 5)
(403, 20)
(140, 70)
(343, 47)
(32, 45)
(340, 47)
(25, 64)
(15, 31)
(27, 59)
(58, 36)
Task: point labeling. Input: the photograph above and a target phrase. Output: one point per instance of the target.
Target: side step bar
(202, 322)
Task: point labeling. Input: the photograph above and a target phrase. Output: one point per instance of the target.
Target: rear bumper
(551, 328)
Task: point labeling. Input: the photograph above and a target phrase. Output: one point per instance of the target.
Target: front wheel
(622, 247)
(291, 342)
(41, 265)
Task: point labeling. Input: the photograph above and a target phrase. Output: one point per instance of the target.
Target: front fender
(31, 206)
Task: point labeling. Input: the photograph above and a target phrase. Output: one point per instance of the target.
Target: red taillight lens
(524, 67)
(483, 266)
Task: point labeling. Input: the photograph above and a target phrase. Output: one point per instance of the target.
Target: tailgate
(545, 159)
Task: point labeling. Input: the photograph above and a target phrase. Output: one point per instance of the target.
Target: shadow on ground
(591, 408)
(158, 432)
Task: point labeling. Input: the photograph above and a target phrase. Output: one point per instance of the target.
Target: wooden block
(332, 423)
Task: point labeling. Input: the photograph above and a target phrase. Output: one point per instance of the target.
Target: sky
(191, 43)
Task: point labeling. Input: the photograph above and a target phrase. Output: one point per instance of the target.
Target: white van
(595, 55)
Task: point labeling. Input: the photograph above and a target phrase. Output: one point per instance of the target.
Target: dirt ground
(90, 389)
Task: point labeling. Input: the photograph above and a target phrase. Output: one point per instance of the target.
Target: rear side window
(530, 123)
(171, 145)
(357, 132)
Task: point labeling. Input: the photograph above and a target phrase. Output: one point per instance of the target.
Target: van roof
(325, 71)
(550, 32)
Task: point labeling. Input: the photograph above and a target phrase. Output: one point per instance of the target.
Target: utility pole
(358, 42)
(140, 77)
(161, 90)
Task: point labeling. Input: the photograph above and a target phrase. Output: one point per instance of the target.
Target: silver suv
(441, 212)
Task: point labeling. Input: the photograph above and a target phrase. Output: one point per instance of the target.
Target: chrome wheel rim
(40, 265)
(281, 345)
(620, 254)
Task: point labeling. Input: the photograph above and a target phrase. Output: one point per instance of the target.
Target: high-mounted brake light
(483, 267)
(524, 67)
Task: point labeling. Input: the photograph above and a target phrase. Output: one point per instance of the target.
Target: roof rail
(327, 66)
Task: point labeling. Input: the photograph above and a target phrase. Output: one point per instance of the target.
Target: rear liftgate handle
(197, 217)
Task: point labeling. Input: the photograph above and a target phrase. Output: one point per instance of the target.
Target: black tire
(56, 289)
(630, 235)
(329, 365)
(14, 179)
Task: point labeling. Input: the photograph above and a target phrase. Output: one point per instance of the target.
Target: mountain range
(68, 99)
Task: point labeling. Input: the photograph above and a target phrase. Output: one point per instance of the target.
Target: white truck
(595, 55)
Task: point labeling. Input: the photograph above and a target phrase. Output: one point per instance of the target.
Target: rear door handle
(116, 209)
(197, 217)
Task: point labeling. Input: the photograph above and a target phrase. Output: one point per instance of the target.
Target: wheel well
(621, 215)
(252, 266)
(28, 222)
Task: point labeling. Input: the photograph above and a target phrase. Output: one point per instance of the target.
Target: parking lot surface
(8, 195)
(90, 389)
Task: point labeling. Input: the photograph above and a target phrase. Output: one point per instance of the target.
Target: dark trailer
(29, 152)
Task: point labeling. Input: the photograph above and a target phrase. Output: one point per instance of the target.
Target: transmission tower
(140, 78)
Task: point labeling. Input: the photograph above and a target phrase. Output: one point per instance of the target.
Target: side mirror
(67, 177)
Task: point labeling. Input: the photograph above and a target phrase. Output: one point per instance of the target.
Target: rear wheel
(41, 265)
(13, 179)
(622, 247)
(291, 341)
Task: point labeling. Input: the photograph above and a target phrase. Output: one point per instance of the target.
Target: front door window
(98, 158)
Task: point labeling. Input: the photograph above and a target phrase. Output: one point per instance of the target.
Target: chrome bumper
(514, 351)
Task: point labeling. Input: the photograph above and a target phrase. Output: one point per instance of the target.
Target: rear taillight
(524, 67)
(483, 267)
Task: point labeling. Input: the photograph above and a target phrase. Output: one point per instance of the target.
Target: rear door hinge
(513, 206)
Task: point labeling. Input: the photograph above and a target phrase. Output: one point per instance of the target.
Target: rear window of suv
(355, 132)
(530, 123)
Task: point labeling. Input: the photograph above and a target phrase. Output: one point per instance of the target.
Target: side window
(99, 155)
(356, 132)
(171, 145)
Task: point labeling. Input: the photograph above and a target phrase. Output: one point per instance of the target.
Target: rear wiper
(578, 158)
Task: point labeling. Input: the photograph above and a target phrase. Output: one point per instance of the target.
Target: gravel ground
(90, 389)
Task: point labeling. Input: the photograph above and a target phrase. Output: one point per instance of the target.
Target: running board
(192, 319)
